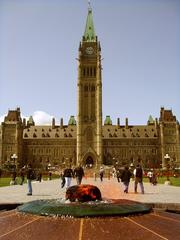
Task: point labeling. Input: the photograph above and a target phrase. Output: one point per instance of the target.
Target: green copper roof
(151, 120)
(72, 121)
(108, 121)
(89, 33)
(31, 119)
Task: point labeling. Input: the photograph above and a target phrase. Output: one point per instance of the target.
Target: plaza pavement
(161, 196)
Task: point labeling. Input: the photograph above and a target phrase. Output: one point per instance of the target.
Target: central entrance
(89, 162)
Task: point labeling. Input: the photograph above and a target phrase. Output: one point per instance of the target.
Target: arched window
(92, 88)
(94, 71)
(87, 71)
(85, 88)
(91, 71)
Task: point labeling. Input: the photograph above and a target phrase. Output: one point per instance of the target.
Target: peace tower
(89, 116)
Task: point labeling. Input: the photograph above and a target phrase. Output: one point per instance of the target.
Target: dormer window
(146, 135)
(56, 135)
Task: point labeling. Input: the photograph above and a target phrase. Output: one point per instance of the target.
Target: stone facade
(88, 140)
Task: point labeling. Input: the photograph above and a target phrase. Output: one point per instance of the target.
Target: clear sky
(140, 42)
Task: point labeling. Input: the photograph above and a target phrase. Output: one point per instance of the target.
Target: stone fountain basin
(62, 207)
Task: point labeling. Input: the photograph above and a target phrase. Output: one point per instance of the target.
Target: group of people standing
(126, 175)
(68, 174)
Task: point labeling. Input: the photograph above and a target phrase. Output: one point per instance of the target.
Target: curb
(168, 207)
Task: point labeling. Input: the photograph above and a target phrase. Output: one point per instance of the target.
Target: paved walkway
(111, 189)
(156, 225)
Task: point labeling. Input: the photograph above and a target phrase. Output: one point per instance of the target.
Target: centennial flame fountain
(84, 201)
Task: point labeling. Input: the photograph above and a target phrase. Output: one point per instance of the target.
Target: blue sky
(39, 42)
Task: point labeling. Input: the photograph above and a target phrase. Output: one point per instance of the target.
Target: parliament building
(88, 138)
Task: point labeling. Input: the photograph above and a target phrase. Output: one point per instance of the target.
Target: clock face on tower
(89, 50)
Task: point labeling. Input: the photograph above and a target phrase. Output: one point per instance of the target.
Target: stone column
(79, 116)
(99, 113)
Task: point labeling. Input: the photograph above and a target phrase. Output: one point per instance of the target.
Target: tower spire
(89, 33)
(89, 4)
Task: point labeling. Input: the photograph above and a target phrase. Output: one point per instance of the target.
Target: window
(94, 71)
(92, 88)
(85, 88)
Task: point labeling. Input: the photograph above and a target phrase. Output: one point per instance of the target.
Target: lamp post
(14, 157)
(67, 161)
(167, 165)
(132, 165)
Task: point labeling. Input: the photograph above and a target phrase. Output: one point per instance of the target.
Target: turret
(61, 123)
(30, 122)
(126, 122)
(53, 123)
(118, 122)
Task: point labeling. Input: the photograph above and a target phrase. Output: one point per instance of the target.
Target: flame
(83, 192)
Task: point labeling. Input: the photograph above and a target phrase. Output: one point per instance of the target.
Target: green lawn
(174, 181)
(6, 180)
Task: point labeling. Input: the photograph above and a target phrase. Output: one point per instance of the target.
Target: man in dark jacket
(78, 173)
(68, 174)
(138, 175)
(125, 178)
(29, 179)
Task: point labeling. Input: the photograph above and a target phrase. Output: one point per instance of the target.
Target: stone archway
(89, 162)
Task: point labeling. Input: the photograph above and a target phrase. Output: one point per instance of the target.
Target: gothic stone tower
(89, 116)
(12, 138)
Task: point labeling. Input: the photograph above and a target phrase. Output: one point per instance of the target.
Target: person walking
(118, 175)
(39, 176)
(125, 178)
(13, 180)
(101, 173)
(50, 176)
(68, 174)
(22, 176)
(150, 175)
(138, 175)
(79, 174)
(29, 178)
